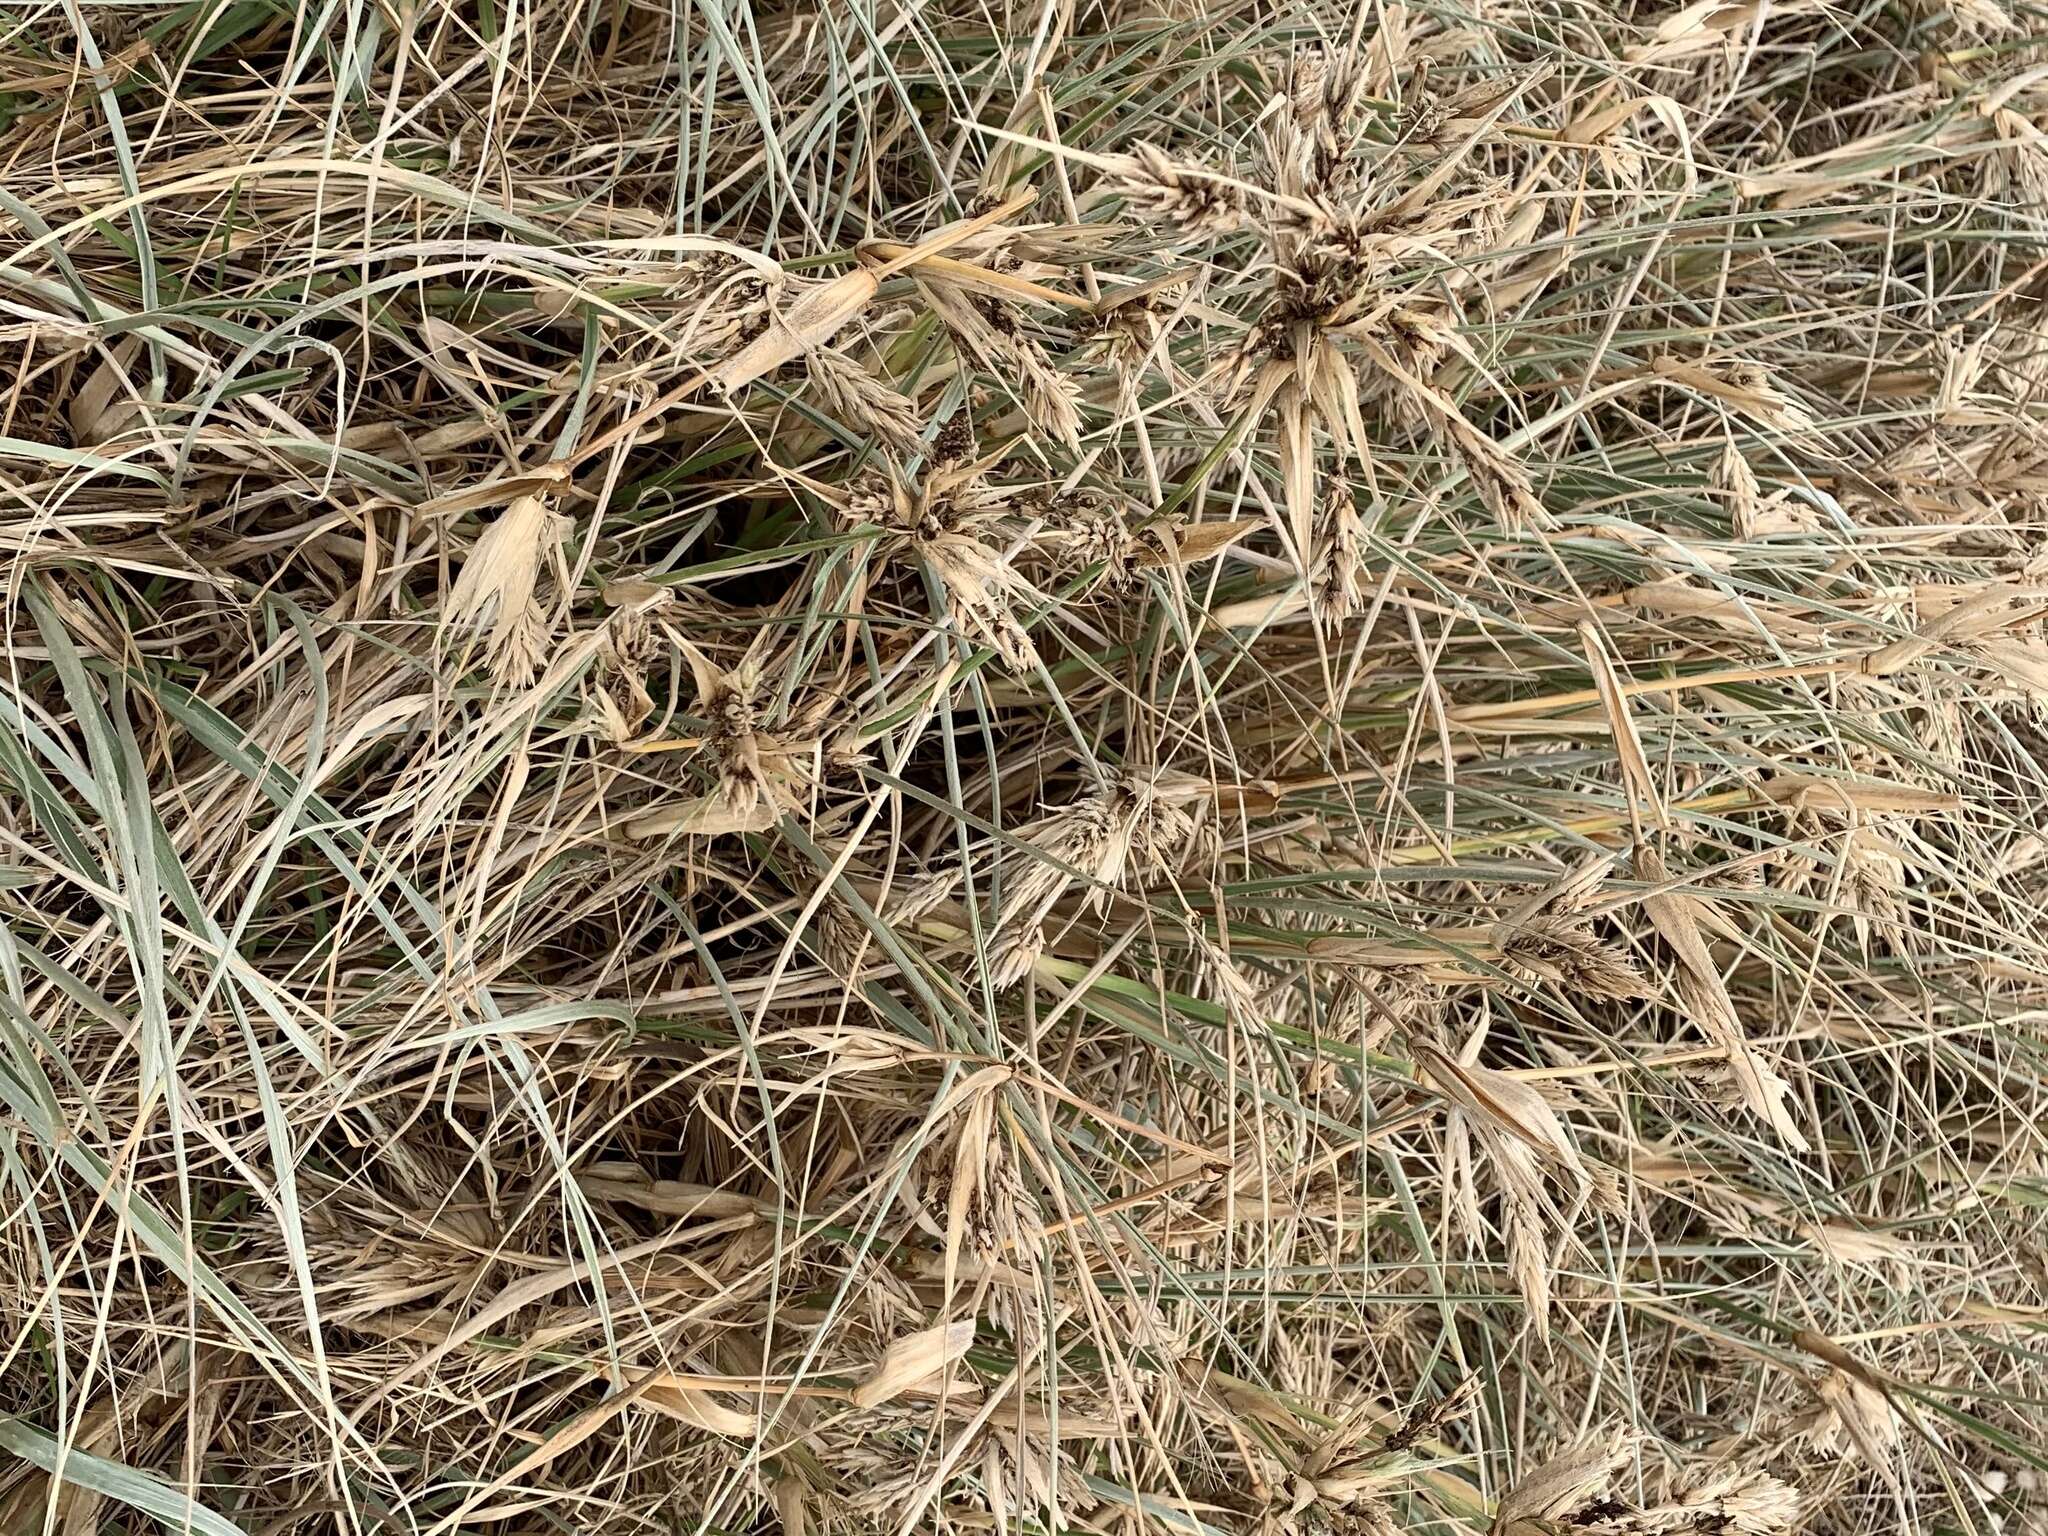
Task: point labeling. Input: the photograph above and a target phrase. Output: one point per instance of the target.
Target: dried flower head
(1566, 1483)
(494, 591)
(1731, 1500)
(1340, 555)
(855, 397)
(1191, 202)
(1327, 90)
(1129, 827)
(1569, 956)
(1427, 1417)
(983, 593)
(1052, 400)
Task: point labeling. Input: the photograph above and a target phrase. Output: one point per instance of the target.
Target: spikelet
(1525, 1143)
(1180, 198)
(1133, 825)
(1339, 563)
(1873, 880)
(1051, 399)
(1426, 1418)
(1224, 982)
(983, 594)
(966, 320)
(1678, 916)
(855, 397)
(1419, 336)
(1567, 954)
(1126, 339)
(1754, 514)
(1743, 384)
(1502, 484)
(1974, 18)
(494, 590)
(1530, 1256)
(2021, 164)
(1855, 1418)
(1567, 1482)
(724, 301)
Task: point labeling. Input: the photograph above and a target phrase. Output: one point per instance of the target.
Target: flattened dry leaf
(678, 1398)
(1029, 1416)
(1676, 915)
(792, 1505)
(810, 322)
(629, 1184)
(1846, 1243)
(1284, 603)
(703, 816)
(1502, 1101)
(1709, 18)
(1196, 542)
(1861, 1418)
(1621, 723)
(1812, 792)
(1599, 123)
(97, 409)
(1297, 467)
(914, 1359)
(503, 491)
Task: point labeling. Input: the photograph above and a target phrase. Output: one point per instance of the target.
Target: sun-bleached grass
(1235, 769)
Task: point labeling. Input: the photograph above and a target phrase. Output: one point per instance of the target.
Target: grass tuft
(1147, 768)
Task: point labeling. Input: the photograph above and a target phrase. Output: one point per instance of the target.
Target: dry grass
(1235, 769)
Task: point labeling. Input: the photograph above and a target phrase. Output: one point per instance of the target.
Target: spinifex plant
(1235, 771)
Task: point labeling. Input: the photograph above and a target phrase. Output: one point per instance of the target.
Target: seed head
(1161, 190)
